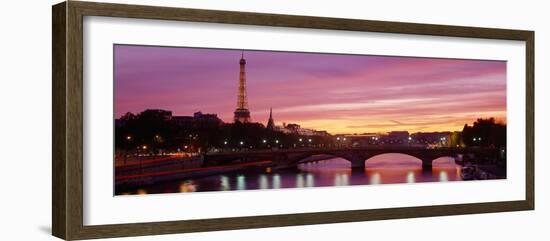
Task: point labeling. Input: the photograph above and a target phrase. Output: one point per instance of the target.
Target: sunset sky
(336, 93)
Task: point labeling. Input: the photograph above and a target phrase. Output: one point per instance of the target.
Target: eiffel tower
(242, 114)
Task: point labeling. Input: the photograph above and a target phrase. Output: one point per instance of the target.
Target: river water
(383, 169)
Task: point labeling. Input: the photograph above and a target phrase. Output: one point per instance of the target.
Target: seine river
(383, 169)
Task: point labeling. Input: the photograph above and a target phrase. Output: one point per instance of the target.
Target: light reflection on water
(224, 183)
(241, 183)
(383, 169)
(276, 181)
(341, 179)
(443, 177)
(188, 186)
(410, 177)
(375, 178)
(263, 182)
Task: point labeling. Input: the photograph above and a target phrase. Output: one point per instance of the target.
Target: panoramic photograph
(203, 119)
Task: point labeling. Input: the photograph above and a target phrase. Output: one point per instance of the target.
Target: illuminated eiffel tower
(242, 114)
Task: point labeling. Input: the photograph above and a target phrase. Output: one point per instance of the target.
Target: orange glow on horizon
(340, 94)
(358, 126)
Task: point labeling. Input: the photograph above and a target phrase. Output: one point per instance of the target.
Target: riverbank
(166, 169)
(158, 164)
(494, 172)
(171, 175)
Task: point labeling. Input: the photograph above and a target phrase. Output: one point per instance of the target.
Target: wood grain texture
(75, 125)
(530, 120)
(59, 193)
(121, 230)
(67, 46)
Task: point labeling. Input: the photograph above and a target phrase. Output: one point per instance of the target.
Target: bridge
(288, 158)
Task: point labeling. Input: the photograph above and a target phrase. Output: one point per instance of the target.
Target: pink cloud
(310, 88)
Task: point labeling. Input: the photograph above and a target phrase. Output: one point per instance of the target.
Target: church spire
(270, 122)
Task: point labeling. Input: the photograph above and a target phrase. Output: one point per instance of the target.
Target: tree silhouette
(485, 132)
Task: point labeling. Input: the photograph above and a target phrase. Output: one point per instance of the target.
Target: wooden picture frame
(67, 76)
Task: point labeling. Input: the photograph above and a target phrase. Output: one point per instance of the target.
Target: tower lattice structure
(242, 114)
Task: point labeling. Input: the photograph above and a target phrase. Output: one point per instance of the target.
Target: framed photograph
(171, 120)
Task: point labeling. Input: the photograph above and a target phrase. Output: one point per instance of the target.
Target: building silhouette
(270, 122)
(242, 114)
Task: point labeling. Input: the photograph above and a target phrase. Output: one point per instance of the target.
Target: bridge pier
(459, 160)
(426, 167)
(358, 164)
(427, 164)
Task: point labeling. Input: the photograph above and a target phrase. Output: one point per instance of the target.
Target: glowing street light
(128, 138)
(300, 139)
(309, 140)
(264, 141)
(277, 141)
(242, 143)
(225, 142)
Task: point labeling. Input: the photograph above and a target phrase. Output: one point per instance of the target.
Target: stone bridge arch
(428, 156)
(352, 157)
(358, 158)
(372, 156)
